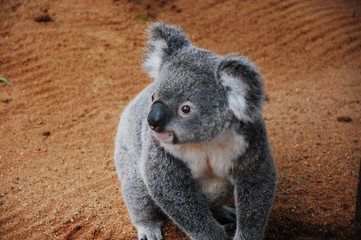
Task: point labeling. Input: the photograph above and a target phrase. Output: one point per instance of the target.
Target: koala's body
(193, 141)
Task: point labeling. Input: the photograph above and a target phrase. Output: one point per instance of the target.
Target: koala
(192, 147)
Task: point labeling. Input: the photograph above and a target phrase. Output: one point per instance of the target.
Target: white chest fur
(212, 159)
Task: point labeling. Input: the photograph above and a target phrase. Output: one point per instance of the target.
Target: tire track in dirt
(313, 25)
(260, 9)
(32, 73)
(317, 29)
(348, 39)
(332, 33)
(310, 25)
(35, 75)
(296, 20)
(272, 11)
(17, 57)
(352, 53)
(292, 11)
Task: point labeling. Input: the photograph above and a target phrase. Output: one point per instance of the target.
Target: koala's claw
(148, 233)
(230, 227)
(225, 215)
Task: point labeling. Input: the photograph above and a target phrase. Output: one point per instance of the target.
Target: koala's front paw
(149, 233)
(225, 215)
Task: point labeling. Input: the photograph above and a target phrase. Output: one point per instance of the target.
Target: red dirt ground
(75, 68)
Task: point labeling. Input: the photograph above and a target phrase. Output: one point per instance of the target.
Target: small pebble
(344, 119)
(43, 18)
(47, 133)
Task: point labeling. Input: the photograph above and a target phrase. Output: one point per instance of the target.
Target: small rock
(7, 100)
(43, 18)
(344, 119)
(47, 133)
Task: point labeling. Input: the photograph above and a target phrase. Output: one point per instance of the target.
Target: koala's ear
(244, 86)
(163, 41)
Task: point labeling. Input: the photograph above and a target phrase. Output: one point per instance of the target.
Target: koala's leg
(145, 215)
(253, 203)
(255, 181)
(170, 183)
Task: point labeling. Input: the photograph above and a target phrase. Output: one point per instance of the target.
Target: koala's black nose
(157, 117)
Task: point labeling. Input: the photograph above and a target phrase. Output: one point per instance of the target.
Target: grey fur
(190, 168)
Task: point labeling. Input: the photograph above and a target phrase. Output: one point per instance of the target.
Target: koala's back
(130, 134)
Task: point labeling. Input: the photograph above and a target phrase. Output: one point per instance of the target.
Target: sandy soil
(74, 65)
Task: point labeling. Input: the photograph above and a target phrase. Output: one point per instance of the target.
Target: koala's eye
(186, 109)
(153, 97)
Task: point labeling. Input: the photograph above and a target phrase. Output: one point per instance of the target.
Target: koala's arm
(255, 181)
(170, 184)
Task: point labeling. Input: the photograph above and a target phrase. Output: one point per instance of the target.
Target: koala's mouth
(165, 136)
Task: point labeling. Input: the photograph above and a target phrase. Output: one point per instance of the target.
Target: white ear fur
(163, 41)
(236, 97)
(153, 59)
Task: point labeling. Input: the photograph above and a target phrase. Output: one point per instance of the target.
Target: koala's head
(198, 94)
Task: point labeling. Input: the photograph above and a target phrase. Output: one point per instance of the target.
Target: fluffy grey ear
(243, 81)
(163, 41)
